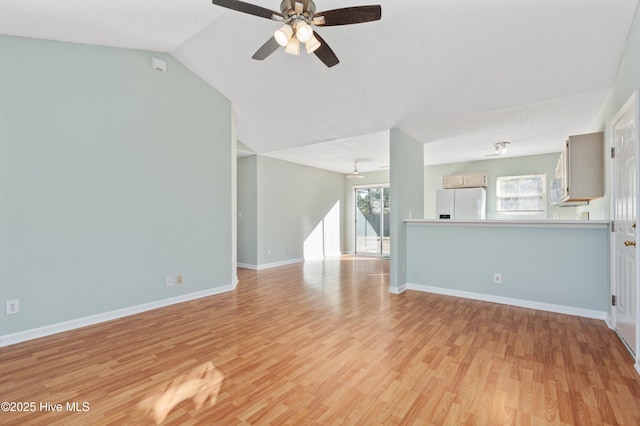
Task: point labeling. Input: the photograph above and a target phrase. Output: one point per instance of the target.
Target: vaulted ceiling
(457, 75)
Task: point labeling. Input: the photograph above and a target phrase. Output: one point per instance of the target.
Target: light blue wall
(406, 199)
(290, 201)
(559, 266)
(248, 210)
(112, 176)
(233, 206)
(627, 81)
(532, 164)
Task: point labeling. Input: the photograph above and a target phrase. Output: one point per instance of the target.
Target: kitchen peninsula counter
(553, 265)
(512, 223)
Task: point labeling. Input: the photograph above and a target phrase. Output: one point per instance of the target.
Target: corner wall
(288, 202)
(406, 198)
(247, 210)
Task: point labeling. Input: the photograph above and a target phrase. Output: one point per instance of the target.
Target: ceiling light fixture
(297, 28)
(303, 32)
(312, 45)
(355, 174)
(283, 35)
(293, 46)
(297, 18)
(500, 147)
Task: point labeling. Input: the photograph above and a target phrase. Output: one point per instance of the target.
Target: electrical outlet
(269, 252)
(497, 278)
(168, 281)
(13, 307)
(179, 279)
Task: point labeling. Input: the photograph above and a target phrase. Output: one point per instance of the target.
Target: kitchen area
(527, 231)
(570, 185)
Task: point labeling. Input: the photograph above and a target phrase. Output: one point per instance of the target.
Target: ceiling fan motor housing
(300, 10)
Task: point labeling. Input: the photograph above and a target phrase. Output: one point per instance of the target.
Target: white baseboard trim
(637, 367)
(247, 266)
(398, 290)
(269, 265)
(540, 306)
(609, 321)
(23, 336)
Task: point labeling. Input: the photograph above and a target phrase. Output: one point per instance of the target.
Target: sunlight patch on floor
(201, 384)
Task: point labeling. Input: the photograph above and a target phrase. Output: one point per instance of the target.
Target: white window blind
(521, 194)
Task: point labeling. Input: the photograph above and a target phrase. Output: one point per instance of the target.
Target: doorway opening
(372, 221)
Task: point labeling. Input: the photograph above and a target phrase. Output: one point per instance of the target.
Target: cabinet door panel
(455, 181)
(582, 168)
(479, 179)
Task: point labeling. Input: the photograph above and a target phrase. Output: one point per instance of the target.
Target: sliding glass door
(372, 220)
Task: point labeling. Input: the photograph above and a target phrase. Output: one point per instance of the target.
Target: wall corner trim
(398, 290)
(609, 321)
(269, 265)
(35, 333)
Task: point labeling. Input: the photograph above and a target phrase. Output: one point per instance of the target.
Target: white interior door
(625, 141)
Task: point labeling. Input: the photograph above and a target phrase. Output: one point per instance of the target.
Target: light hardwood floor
(325, 343)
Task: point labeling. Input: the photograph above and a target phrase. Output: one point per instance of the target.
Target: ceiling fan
(298, 17)
(355, 174)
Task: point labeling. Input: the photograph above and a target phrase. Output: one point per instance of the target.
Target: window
(521, 194)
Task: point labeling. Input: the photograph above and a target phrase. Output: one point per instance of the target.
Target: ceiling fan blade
(267, 49)
(249, 8)
(324, 52)
(348, 15)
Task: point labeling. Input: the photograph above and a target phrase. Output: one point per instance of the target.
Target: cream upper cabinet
(466, 180)
(580, 168)
(454, 181)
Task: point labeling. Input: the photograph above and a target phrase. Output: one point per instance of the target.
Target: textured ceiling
(456, 75)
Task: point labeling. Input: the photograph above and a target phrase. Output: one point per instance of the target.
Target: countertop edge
(514, 223)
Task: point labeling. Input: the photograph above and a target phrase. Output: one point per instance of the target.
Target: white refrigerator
(461, 204)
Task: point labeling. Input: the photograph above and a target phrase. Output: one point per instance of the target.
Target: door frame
(632, 102)
(355, 189)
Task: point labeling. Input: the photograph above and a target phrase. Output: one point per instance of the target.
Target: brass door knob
(630, 243)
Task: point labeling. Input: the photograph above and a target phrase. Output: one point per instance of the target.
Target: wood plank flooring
(325, 343)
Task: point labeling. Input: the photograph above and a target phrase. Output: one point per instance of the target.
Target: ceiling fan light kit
(303, 32)
(283, 35)
(298, 18)
(312, 45)
(293, 47)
